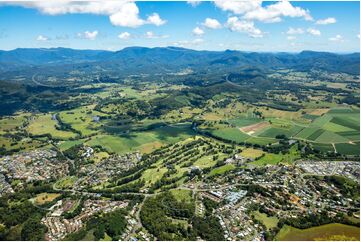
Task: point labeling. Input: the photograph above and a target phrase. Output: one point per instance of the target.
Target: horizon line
(177, 47)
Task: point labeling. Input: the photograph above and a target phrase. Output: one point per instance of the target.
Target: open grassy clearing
(44, 124)
(66, 182)
(45, 197)
(145, 141)
(268, 159)
(221, 170)
(269, 222)
(81, 119)
(64, 145)
(182, 195)
(12, 122)
(323, 232)
(252, 153)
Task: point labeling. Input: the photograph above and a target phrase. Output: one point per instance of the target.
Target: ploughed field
(336, 129)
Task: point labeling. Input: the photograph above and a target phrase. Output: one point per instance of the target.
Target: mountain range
(160, 59)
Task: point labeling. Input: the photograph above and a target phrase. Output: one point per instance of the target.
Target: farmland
(324, 232)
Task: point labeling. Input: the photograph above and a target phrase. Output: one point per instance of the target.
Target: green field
(233, 134)
(348, 149)
(182, 195)
(324, 232)
(269, 222)
(43, 124)
(221, 170)
(144, 141)
(323, 147)
(241, 122)
(268, 159)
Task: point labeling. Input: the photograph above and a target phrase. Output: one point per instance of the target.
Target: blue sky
(258, 26)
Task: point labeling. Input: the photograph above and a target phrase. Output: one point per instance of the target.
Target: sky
(203, 25)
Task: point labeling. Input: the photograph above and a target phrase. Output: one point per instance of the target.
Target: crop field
(232, 134)
(348, 149)
(43, 124)
(241, 122)
(253, 128)
(324, 232)
(324, 147)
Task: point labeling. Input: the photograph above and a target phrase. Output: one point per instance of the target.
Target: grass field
(64, 145)
(182, 195)
(144, 141)
(43, 198)
(43, 124)
(269, 222)
(10, 123)
(221, 170)
(324, 232)
(66, 182)
(81, 119)
(268, 159)
(251, 153)
(233, 134)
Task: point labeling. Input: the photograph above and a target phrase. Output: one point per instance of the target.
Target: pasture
(324, 232)
(144, 141)
(44, 124)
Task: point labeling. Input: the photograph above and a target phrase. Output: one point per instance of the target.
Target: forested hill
(135, 59)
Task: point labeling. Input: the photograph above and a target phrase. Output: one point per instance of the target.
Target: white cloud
(292, 31)
(313, 31)
(326, 21)
(194, 3)
(42, 38)
(237, 25)
(124, 35)
(212, 23)
(189, 43)
(274, 12)
(291, 37)
(253, 10)
(198, 31)
(127, 16)
(88, 35)
(156, 20)
(238, 7)
(337, 38)
(151, 35)
(121, 13)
